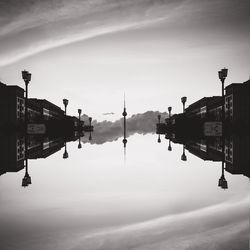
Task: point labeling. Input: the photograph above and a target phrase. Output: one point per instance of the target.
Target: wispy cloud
(226, 224)
(35, 26)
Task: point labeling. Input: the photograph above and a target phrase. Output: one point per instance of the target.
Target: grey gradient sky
(94, 51)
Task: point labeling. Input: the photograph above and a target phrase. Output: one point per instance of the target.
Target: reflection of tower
(124, 114)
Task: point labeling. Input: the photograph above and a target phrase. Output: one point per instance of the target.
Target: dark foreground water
(99, 199)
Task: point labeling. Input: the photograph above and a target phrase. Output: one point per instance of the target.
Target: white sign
(213, 128)
(36, 128)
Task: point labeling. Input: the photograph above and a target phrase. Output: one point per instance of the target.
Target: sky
(92, 52)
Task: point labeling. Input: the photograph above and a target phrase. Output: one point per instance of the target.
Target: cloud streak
(226, 224)
(35, 26)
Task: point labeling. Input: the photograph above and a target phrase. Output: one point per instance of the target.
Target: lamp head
(169, 109)
(79, 111)
(65, 102)
(26, 76)
(222, 74)
(183, 99)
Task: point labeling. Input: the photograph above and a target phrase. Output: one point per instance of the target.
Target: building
(237, 104)
(206, 108)
(12, 107)
(43, 110)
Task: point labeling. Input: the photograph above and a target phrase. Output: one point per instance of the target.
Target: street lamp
(79, 112)
(183, 100)
(26, 77)
(90, 120)
(169, 111)
(65, 102)
(222, 76)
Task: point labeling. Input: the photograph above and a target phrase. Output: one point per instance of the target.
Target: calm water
(100, 199)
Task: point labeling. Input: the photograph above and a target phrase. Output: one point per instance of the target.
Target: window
(20, 109)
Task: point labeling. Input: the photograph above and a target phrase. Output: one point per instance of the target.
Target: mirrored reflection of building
(13, 157)
(12, 151)
(236, 155)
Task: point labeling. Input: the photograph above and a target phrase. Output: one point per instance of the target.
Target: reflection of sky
(96, 199)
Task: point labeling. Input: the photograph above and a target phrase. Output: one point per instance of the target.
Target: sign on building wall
(213, 129)
(35, 128)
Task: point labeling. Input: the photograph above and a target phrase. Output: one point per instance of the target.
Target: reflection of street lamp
(183, 156)
(222, 181)
(65, 102)
(26, 179)
(169, 145)
(159, 118)
(26, 77)
(79, 143)
(90, 120)
(65, 154)
(90, 136)
(183, 100)
(159, 139)
(169, 111)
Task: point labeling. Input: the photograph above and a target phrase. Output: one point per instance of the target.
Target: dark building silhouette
(206, 107)
(12, 107)
(12, 153)
(43, 110)
(237, 103)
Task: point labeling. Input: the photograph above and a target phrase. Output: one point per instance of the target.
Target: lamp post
(65, 102)
(26, 77)
(222, 76)
(169, 111)
(79, 112)
(90, 120)
(183, 100)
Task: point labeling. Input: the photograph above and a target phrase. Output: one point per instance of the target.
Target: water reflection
(231, 150)
(17, 149)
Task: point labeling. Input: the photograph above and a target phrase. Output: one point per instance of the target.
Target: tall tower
(124, 114)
